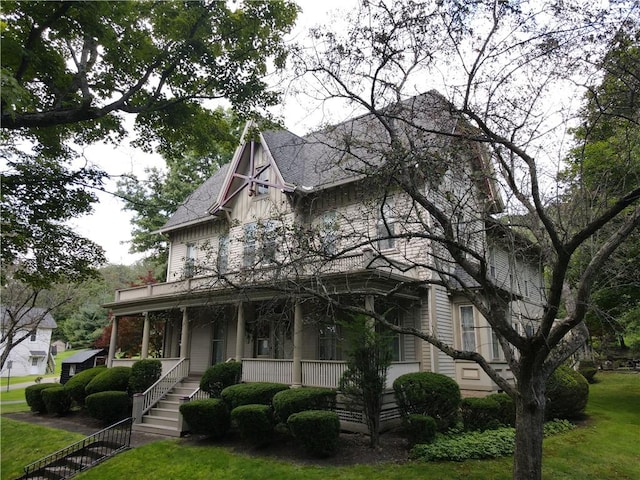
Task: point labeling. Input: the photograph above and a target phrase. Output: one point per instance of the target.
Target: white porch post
(240, 332)
(184, 342)
(112, 342)
(296, 368)
(146, 329)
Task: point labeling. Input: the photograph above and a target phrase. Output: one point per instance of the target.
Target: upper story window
(249, 253)
(467, 328)
(269, 244)
(496, 348)
(223, 253)
(328, 237)
(386, 228)
(32, 337)
(190, 261)
(492, 263)
(262, 174)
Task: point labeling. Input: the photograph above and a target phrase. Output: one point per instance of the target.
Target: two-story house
(258, 249)
(32, 355)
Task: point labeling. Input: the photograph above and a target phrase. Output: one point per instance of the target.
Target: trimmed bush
(420, 429)
(251, 393)
(76, 385)
(109, 406)
(220, 376)
(144, 373)
(294, 400)
(33, 396)
(57, 400)
(255, 423)
(110, 380)
(428, 393)
(567, 394)
(480, 413)
(507, 408)
(588, 370)
(207, 417)
(317, 430)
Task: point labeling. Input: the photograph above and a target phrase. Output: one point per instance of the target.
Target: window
(262, 174)
(190, 261)
(218, 343)
(34, 362)
(249, 254)
(526, 288)
(492, 263)
(467, 328)
(269, 245)
(223, 253)
(328, 343)
(328, 233)
(496, 349)
(32, 337)
(386, 228)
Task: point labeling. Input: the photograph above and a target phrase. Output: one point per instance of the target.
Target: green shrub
(57, 400)
(428, 393)
(294, 400)
(220, 376)
(317, 430)
(109, 406)
(471, 445)
(556, 427)
(251, 393)
(76, 385)
(144, 373)
(110, 380)
(207, 417)
(255, 423)
(507, 408)
(588, 370)
(567, 394)
(480, 413)
(33, 396)
(420, 428)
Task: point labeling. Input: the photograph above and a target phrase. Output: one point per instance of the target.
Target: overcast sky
(109, 225)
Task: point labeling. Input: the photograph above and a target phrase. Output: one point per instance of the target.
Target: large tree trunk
(530, 403)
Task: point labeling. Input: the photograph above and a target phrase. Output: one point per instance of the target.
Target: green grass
(605, 447)
(31, 378)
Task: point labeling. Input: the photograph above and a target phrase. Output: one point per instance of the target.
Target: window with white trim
(496, 348)
(328, 233)
(328, 343)
(467, 328)
(249, 252)
(190, 261)
(269, 244)
(223, 253)
(33, 336)
(262, 174)
(386, 228)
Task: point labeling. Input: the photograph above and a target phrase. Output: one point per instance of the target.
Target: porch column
(184, 341)
(296, 368)
(144, 352)
(240, 332)
(175, 343)
(112, 342)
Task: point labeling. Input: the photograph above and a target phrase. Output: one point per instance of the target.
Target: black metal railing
(77, 457)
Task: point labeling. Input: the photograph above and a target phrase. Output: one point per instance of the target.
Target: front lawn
(604, 446)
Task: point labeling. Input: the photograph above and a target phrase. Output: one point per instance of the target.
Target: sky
(110, 225)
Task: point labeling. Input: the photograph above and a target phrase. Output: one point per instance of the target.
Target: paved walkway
(15, 386)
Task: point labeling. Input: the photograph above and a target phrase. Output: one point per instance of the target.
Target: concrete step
(160, 421)
(169, 405)
(164, 413)
(156, 429)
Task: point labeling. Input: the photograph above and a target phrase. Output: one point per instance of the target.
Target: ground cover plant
(610, 429)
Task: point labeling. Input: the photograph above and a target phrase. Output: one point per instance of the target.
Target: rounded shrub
(251, 393)
(567, 394)
(57, 400)
(220, 376)
(109, 406)
(207, 417)
(420, 428)
(481, 413)
(76, 385)
(109, 380)
(588, 370)
(255, 423)
(428, 393)
(294, 400)
(317, 430)
(144, 373)
(33, 396)
(507, 408)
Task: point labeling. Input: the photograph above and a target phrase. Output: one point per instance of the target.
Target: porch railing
(266, 370)
(143, 402)
(80, 456)
(322, 373)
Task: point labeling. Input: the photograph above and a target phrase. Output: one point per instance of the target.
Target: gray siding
(444, 327)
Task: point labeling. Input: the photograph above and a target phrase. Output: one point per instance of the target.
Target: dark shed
(80, 361)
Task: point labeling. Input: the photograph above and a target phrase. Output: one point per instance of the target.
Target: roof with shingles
(28, 317)
(83, 356)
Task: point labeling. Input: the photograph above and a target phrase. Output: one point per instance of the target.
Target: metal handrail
(143, 402)
(108, 441)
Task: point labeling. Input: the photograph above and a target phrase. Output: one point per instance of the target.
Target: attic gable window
(262, 174)
(386, 228)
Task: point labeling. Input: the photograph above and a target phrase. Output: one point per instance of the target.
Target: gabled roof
(29, 318)
(83, 356)
(331, 156)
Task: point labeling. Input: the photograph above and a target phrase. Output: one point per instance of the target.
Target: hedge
(144, 373)
(428, 393)
(317, 430)
(207, 417)
(255, 423)
(507, 408)
(588, 370)
(567, 394)
(420, 428)
(109, 406)
(33, 396)
(76, 385)
(481, 414)
(57, 400)
(251, 393)
(294, 400)
(112, 379)
(220, 376)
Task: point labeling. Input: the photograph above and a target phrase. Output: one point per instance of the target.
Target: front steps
(163, 418)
